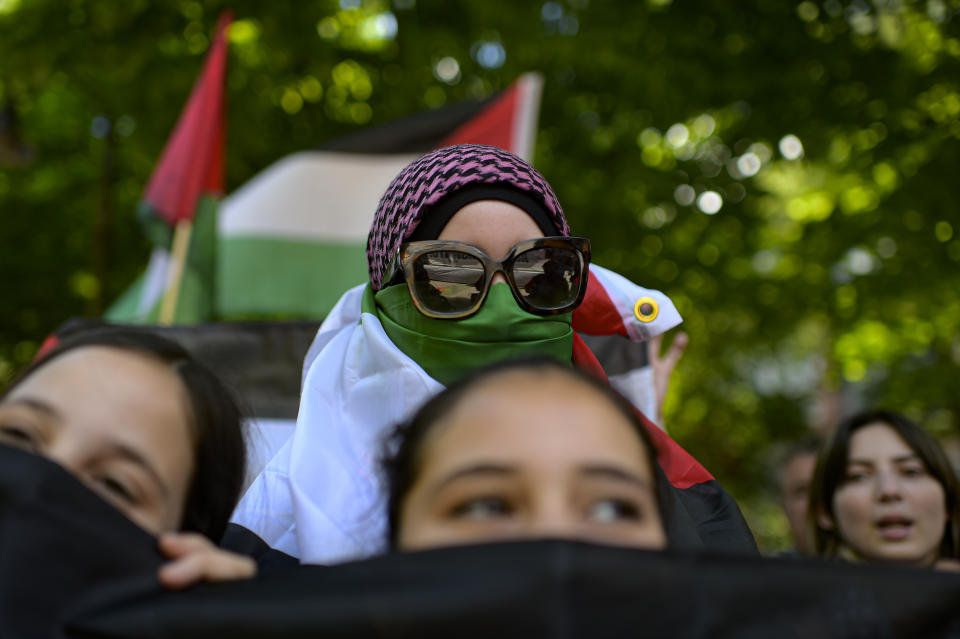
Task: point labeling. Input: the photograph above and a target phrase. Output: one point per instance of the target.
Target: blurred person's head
(523, 449)
(135, 417)
(794, 474)
(884, 491)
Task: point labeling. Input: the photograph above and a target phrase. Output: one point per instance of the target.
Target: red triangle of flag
(509, 121)
(192, 163)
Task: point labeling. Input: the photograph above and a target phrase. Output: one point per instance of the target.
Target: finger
(182, 572)
(215, 565)
(949, 565)
(675, 352)
(655, 344)
(179, 544)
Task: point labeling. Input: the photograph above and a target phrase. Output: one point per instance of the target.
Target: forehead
(93, 366)
(485, 220)
(878, 441)
(100, 386)
(536, 419)
(800, 467)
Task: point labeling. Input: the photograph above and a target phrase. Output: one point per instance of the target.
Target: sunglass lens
(549, 277)
(448, 282)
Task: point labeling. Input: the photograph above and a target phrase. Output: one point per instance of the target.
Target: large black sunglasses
(450, 280)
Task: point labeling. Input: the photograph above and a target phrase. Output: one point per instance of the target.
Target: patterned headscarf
(432, 177)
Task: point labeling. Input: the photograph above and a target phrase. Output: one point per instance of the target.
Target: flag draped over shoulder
(184, 188)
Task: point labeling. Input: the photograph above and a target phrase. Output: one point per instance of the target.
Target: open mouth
(894, 527)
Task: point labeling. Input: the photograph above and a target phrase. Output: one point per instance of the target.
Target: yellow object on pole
(178, 257)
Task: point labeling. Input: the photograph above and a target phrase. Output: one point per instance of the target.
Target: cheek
(851, 506)
(931, 501)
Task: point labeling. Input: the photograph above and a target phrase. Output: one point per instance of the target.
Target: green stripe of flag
(281, 277)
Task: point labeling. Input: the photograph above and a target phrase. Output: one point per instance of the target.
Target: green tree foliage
(785, 171)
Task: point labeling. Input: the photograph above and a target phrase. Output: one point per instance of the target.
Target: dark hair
(401, 461)
(832, 467)
(218, 446)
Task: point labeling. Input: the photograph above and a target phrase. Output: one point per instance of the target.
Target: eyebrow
(615, 473)
(473, 470)
(896, 460)
(35, 404)
(502, 470)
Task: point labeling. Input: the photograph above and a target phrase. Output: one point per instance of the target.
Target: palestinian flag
(293, 239)
(184, 188)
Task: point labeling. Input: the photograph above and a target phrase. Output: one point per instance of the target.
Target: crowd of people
(451, 401)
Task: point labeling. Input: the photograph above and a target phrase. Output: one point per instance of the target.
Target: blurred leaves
(785, 171)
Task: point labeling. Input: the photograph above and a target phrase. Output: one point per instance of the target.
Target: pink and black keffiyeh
(440, 174)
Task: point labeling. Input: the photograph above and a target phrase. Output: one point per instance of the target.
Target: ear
(824, 520)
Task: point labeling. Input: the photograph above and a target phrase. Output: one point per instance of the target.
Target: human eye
(855, 474)
(116, 489)
(913, 470)
(480, 508)
(19, 436)
(612, 510)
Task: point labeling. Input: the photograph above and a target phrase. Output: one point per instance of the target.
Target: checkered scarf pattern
(437, 174)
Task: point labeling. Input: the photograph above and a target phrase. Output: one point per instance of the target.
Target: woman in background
(884, 491)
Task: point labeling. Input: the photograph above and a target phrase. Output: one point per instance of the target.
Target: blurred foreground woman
(884, 491)
(524, 449)
(148, 429)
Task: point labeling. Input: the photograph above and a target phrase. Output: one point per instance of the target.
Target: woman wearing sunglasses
(471, 262)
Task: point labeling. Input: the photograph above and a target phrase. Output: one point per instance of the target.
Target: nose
(498, 276)
(552, 518)
(64, 453)
(888, 486)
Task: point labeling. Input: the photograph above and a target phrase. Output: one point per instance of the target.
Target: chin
(905, 555)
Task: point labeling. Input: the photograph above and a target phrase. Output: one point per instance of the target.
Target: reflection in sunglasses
(546, 275)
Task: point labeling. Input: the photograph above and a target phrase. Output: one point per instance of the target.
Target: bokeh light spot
(808, 11)
(551, 11)
(380, 27)
(704, 125)
(677, 135)
(311, 89)
(710, 202)
(291, 101)
(761, 150)
(684, 195)
(489, 55)
(244, 32)
(943, 231)
(748, 164)
(328, 28)
(447, 70)
(886, 247)
(791, 147)
(649, 137)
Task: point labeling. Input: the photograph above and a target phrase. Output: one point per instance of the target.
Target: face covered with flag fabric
(471, 262)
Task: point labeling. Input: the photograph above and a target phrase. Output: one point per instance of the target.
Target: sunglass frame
(410, 251)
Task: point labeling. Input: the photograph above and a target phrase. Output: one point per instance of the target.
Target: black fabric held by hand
(61, 546)
(552, 589)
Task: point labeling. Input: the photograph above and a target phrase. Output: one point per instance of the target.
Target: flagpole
(178, 257)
